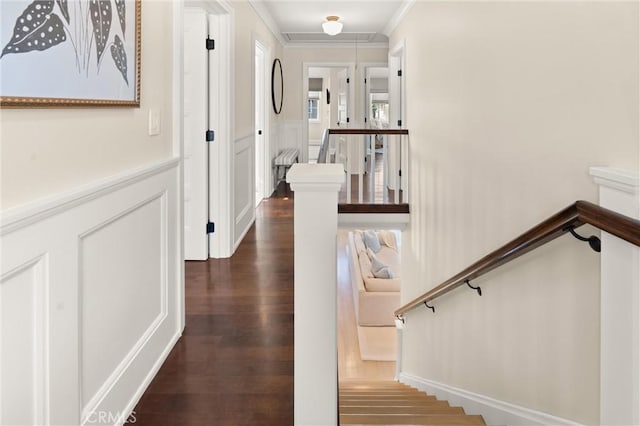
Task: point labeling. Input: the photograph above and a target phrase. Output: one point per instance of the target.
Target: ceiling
(300, 21)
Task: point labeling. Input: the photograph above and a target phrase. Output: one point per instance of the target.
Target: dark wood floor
(234, 363)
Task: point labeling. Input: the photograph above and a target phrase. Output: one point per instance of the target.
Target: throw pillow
(388, 238)
(379, 269)
(371, 240)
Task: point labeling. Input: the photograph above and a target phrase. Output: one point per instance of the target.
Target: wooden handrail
(341, 131)
(577, 214)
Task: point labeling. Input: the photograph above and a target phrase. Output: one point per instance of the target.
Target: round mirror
(277, 83)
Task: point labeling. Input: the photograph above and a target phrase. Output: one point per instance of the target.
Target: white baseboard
(494, 412)
(147, 381)
(243, 234)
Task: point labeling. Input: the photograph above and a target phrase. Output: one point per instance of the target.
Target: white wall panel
(244, 172)
(115, 281)
(23, 338)
(291, 137)
(91, 280)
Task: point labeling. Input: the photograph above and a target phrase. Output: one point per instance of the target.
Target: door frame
(303, 147)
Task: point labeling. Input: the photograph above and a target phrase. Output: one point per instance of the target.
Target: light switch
(154, 122)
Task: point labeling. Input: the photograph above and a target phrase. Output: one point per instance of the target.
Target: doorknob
(259, 132)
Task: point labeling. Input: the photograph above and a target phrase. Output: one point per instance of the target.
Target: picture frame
(70, 53)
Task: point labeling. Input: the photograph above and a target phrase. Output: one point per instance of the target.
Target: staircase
(393, 403)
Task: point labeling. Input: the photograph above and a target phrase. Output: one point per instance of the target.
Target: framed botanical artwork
(69, 53)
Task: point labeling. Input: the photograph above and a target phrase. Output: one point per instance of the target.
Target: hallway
(234, 363)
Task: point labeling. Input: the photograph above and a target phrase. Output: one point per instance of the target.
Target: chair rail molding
(619, 303)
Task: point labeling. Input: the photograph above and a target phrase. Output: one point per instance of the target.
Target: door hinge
(399, 73)
(400, 123)
(210, 44)
(347, 119)
(210, 227)
(210, 135)
(365, 119)
(365, 81)
(400, 172)
(347, 80)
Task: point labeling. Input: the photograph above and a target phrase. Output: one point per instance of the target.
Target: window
(313, 106)
(313, 109)
(380, 111)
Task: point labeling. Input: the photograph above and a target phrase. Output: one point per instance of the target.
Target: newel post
(619, 304)
(316, 189)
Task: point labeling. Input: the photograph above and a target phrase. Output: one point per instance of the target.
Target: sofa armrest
(376, 307)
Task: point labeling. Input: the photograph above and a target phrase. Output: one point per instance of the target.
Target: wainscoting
(291, 137)
(91, 290)
(243, 187)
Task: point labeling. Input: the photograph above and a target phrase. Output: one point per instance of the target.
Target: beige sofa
(374, 299)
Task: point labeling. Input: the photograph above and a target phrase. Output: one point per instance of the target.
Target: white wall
(46, 151)
(508, 104)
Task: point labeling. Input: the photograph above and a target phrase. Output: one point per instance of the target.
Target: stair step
(374, 391)
(410, 419)
(424, 409)
(363, 402)
(387, 397)
(374, 383)
(384, 403)
(378, 403)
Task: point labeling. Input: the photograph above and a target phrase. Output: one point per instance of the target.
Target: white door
(196, 173)
(260, 120)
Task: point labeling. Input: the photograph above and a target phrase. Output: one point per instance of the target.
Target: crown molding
(263, 13)
(312, 45)
(398, 17)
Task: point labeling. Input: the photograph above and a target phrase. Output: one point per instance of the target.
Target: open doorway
(318, 108)
(328, 103)
(261, 120)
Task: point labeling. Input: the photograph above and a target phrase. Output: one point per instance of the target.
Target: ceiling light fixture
(332, 26)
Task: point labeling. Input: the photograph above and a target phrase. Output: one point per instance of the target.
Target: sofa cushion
(382, 284)
(390, 257)
(371, 240)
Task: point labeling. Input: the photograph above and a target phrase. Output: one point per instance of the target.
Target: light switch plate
(154, 122)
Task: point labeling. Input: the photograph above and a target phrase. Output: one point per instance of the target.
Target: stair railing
(392, 186)
(565, 221)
